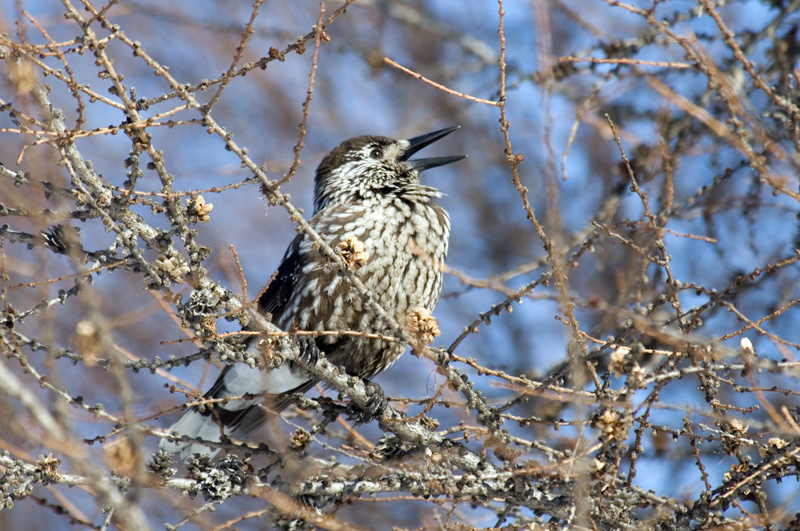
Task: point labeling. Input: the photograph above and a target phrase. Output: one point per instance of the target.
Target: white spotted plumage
(365, 189)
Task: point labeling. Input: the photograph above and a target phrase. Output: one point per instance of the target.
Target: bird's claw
(309, 349)
(376, 404)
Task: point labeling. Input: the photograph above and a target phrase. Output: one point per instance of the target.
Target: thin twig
(437, 85)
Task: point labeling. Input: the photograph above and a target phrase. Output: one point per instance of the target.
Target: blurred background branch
(619, 323)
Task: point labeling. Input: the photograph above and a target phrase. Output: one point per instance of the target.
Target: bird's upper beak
(418, 142)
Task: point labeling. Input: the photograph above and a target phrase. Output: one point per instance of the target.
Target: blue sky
(355, 93)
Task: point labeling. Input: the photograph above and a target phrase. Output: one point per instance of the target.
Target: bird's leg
(376, 404)
(308, 349)
(377, 399)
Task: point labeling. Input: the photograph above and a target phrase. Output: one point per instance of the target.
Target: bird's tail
(194, 425)
(254, 396)
(210, 425)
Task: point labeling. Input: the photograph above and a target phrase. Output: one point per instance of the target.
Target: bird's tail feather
(255, 397)
(210, 424)
(195, 425)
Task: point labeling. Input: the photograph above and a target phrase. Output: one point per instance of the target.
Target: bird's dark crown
(366, 168)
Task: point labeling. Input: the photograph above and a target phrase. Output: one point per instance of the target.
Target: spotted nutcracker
(370, 205)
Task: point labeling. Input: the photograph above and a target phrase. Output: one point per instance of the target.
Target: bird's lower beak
(418, 142)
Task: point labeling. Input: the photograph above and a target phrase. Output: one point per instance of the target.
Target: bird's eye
(376, 153)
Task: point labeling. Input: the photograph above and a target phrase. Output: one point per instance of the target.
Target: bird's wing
(284, 282)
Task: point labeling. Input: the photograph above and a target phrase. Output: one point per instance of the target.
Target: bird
(370, 205)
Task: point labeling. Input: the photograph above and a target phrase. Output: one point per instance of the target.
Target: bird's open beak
(418, 142)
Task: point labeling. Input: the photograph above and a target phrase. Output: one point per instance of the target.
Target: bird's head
(367, 167)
